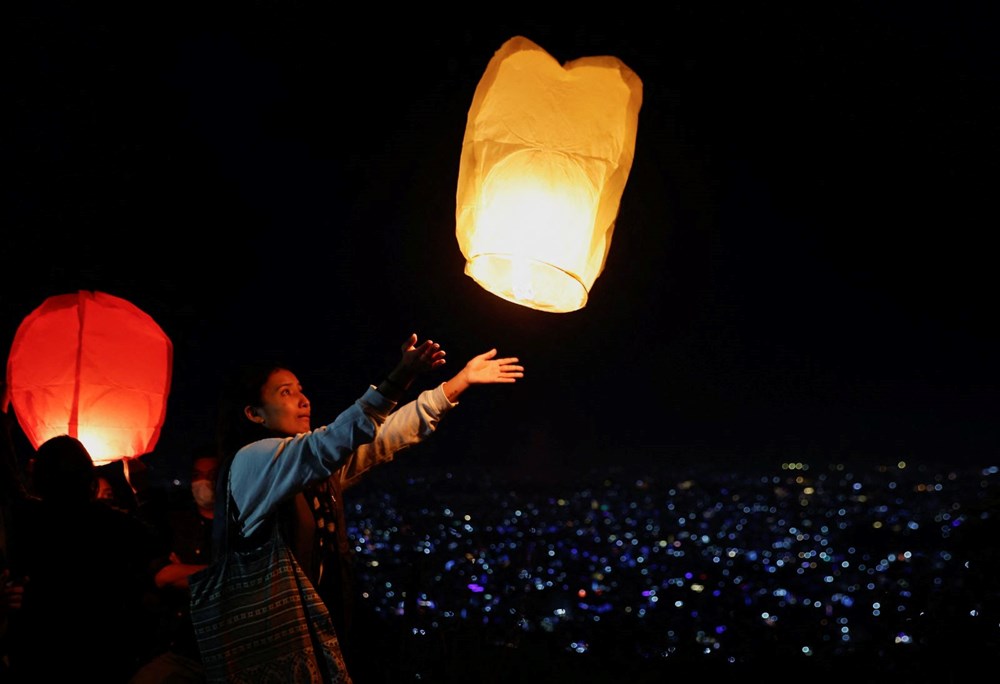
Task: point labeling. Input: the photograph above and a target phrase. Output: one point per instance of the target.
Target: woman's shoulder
(250, 455)
(258, 467)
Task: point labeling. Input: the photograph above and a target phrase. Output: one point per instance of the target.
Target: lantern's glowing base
(528, 282)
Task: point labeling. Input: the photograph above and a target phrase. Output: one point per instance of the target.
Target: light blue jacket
(269, 471)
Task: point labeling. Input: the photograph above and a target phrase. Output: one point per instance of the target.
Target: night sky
(802, 266)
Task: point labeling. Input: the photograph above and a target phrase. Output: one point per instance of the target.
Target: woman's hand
(417, 359)
(484, 370)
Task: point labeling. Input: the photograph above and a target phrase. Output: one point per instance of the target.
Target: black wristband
(391, 389)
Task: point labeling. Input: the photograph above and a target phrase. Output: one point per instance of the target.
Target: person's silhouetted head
(63, 471)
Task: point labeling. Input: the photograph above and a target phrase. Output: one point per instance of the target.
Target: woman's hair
(234, 431)
(243, 389)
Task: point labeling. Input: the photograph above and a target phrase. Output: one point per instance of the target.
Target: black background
(803, 263)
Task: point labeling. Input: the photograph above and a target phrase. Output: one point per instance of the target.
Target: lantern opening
(524, 278)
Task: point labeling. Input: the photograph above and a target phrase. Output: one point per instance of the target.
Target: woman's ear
(251, 413)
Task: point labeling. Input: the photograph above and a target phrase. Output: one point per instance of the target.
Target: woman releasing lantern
(279, 471)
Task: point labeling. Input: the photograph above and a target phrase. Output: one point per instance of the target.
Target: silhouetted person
(13, 499)
(85, 571)
(190, 549)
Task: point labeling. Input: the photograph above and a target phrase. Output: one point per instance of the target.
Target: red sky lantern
(95, 367)
(546, 154)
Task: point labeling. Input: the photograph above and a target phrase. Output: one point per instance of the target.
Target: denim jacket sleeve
(269, 471)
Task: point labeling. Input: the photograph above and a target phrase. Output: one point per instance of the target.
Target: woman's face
(284, 408)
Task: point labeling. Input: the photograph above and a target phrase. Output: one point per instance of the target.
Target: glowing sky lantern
(547, 151)
(95, 367)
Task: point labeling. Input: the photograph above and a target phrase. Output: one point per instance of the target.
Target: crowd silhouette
(82, 570)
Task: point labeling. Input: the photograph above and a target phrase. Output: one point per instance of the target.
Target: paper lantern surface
(95, 367)
(546, 154)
